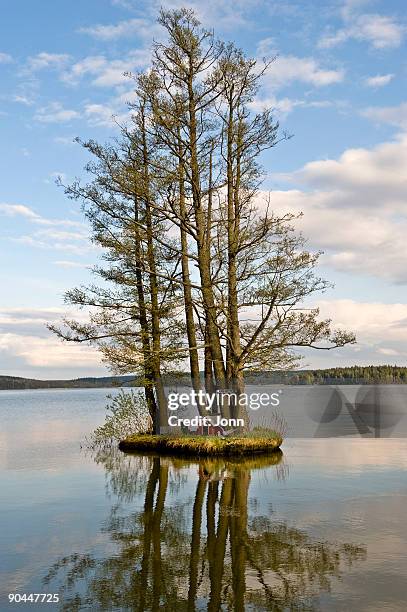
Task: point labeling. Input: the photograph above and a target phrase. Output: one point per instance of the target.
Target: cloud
(70, 264)
(289, 68)
(380, 31)
(113, 111)
(281, 106)
(375, 323)
(65, 140)
(51, 237)
(106, 114)
(23, 100)
(47, 352)
(55, 113)
(394, 115)
(5, 58)
(31, 321)
(380, 329)
(139, 27)
(13, 210)
(56, 234)
(354, 209)
(44, 60)
(127, 4)
(99, 114)
(378, 171)
(225, 15)
(19, 210)
(380, 80)
(388, 352)
(105, 72)
(26, 343)
(76, 243)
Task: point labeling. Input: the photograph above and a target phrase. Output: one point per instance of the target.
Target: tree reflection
(200, 554)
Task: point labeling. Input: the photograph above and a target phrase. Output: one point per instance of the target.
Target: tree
(201, 266)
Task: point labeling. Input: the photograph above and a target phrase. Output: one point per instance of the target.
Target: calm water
(319, 527)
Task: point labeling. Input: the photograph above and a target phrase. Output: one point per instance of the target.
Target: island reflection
(211, 551)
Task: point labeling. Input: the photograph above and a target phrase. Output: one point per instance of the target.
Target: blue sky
(338, 85)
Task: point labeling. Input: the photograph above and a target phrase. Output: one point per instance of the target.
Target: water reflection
(210, 551)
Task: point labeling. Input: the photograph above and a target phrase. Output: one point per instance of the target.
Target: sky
(337, 85)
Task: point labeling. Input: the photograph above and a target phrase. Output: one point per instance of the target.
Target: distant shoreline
(352, 375)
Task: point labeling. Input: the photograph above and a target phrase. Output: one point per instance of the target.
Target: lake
(320, 526)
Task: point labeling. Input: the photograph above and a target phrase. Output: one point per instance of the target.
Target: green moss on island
(203, 445)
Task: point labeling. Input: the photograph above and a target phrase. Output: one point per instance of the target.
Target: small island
(254, 442)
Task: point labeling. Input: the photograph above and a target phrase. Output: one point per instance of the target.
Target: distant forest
(353, 375)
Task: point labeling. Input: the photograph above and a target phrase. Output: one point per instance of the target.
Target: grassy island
(244, 444)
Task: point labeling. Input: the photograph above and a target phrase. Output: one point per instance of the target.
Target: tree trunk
(235, 376)
(143, 320)
(162, 419)
(203, 243)
(188, 302)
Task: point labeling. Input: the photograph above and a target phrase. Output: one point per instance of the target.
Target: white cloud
(288, 68)
(45, 60)
(55, 113)
(226, 15)
(70, 264)
(19, 210)
(56, 234)
(394, 115)
(65, 140)
(99, 114)
(281, 106)
(285, 70)
(380, 80)
(26, 342)
(48, 352)
(5, 58)
(28, 320)
(388, 351)
(54, 239)
(373, 322)
(105, 72)
(23, 100)
(14, 210)
(112, 112)
(131, 27)
(378, 171)
(380, 329)
(380, 31)
(74, 241)
(127, 4)
(354, 209)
